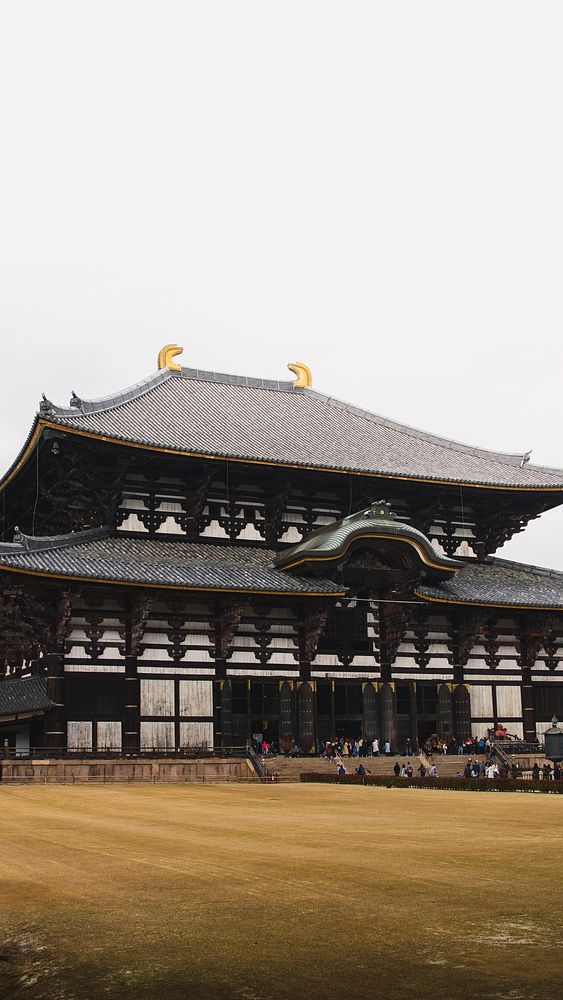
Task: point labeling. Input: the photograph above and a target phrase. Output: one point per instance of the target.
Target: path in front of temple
(277, 891)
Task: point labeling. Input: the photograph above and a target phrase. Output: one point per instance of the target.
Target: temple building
(203, 559)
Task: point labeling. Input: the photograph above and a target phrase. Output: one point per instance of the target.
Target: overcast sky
(375, 189)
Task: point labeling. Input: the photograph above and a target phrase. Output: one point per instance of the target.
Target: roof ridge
(554, 574)
(42, 543)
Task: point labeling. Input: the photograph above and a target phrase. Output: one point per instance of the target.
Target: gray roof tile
(24, 694)
(235, 417)
(501, 582)
(156, 563)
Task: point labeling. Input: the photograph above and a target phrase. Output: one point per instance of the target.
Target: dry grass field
(252, 892)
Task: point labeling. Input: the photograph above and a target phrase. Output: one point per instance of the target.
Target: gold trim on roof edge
(63, 429)
(400, 538)
(169, 586)
(489, 604)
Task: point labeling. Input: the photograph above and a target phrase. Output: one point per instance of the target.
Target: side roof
(500, 583)
(20, 696)
(233, 417)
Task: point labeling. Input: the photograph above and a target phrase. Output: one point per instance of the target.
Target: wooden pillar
(55, 727)
(131, 720)
(286, 725)
(413, 715)
(528, 713)
(226, 719)
(306, 717)
(461, 712)
(445, 712)
(388, 703)
(370, 699)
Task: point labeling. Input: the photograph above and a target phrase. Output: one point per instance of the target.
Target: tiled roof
(500, 582)
(256, 419)
(94, 555)
(23, 695)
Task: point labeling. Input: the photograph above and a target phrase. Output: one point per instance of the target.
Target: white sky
(375, 189)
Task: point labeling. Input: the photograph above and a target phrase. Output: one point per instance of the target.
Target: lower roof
(24, 696)
(500, 583)
(95, 557)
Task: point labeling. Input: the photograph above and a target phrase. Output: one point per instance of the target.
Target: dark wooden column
(461, 704)
(226, 622)
(139, 610)
(287, 717)
(465, 629)
(388, 703)
(529, 642)
(413, 715)
(225, 711)
(55, 722)
(370, 697)
(55, 726)
(445, 711)
(306, 716)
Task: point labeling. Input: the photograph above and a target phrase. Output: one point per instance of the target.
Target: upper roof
(246, 419)
(24, 695)
(93, 555)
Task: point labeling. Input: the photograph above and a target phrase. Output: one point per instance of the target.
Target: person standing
(387, 748)
(375, 748)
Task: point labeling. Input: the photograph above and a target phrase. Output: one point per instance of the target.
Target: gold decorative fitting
(166, 355)
(304, 377)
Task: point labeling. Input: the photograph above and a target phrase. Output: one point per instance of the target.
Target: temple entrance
(426, 710)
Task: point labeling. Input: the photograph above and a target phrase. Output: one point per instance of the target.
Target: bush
(455, 784)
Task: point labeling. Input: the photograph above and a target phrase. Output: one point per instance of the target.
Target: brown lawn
(291, 891)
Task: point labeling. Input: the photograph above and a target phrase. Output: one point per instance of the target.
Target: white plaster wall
(79, 735)
(108, 735)
(509, 702)
(236, 672)
(157, 697)
(196, 734)
(173, 671)
(157, 734)
(132, 523)
(196, 698)
(481, 701)
(78, 668)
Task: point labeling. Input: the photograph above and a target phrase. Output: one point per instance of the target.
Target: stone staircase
(290, 768)
(448, 765)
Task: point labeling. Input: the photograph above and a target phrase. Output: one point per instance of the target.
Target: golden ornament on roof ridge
(304, 378)
(165, 356)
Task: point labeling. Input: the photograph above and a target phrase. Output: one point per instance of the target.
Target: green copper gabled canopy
(375, 527)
